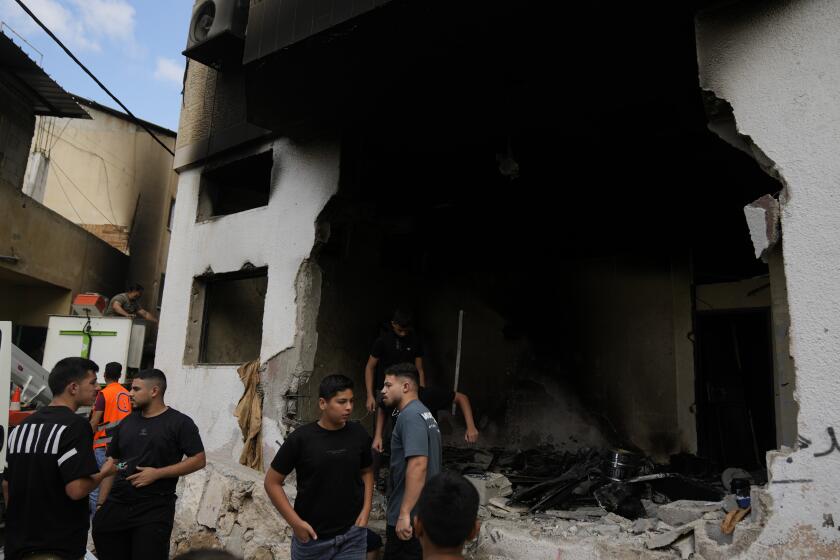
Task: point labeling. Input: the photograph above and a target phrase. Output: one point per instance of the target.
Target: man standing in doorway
(136, 509)
(51, 470)
(113, 403)
(127, 304)
(415, 457)
(398, 345)
(334, 479)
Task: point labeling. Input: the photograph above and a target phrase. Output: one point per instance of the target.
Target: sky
(133, 46)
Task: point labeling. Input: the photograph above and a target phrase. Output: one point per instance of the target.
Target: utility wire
(95, 79)
(75, 186)
(81, 221)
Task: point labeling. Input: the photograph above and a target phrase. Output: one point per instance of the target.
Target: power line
(52, 162)
(95, 79)
(81, 221)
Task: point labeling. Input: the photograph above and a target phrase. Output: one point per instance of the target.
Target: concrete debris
(643, 526)
(685, 546)
(685, 511)
(622, 522)
(729, 503)
(580, 514)
(490, 485)
(661, 540)
(505, 505)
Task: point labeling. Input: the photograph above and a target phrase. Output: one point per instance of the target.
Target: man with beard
(136, 509)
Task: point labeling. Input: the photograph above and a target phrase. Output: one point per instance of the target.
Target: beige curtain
(249, 413)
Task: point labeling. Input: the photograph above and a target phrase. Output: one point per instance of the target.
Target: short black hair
(333, 384)
(69, 370)
(113, 371)
(154, 375)
(403, 318)
(451, 493)
(136, 287)
(404, 370)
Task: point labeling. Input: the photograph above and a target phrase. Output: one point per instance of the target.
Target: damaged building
(631, 207)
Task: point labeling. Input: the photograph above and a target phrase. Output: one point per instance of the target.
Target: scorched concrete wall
(279, 236)
(777, 64)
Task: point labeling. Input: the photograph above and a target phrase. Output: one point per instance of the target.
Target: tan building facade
(110, 177)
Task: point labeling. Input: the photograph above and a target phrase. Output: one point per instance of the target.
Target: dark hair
(69, 370)
(154, 375)
(451, 493)
(334, 384)
(113, 370)
(206, 554)
(403, 318)
(136, 287)
(404, 370)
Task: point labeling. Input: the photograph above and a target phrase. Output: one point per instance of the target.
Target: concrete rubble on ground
(561, 505)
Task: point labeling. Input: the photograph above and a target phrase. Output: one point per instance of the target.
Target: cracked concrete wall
(279, 236)
(776, 64)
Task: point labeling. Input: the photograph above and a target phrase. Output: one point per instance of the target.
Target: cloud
(57, 17)
(169, 70)
(83, 25)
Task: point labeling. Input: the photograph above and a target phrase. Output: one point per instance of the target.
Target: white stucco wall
(279, 236)
(778, 65)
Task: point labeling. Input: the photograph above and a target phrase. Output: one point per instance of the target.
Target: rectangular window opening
(235, 186)
(226, 318)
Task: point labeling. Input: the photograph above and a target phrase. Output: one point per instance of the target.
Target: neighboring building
(574, 178)
(108, 175)
(45, 259)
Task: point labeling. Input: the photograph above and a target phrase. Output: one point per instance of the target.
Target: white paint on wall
(279, 236)
(777, 64)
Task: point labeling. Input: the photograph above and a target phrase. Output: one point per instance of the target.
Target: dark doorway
(736, 424)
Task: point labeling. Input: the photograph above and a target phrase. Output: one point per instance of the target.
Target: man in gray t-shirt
(127, 304)
(415, 458)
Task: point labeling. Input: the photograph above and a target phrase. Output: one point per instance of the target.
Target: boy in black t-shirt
(332, 459)
(136, 509)
(51, 469)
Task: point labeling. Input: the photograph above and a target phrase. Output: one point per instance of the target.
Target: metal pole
(458, 354)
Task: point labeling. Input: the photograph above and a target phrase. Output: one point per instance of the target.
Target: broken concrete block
(714, 515)
(643, 526)
(685, 511)
(490, 485)
(661, 540)
(622, 522)
(651, 508)
(605, 529)
(685, 546)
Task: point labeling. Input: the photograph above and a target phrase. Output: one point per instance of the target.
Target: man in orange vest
(112, 405)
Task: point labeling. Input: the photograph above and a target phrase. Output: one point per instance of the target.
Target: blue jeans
(352, 545)
(99, 452)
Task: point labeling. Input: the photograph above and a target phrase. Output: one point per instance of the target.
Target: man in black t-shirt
(51, 469)
(136, 508)
(332, 460)
(398, 345)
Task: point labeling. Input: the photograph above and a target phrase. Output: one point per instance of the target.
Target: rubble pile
(563, 495)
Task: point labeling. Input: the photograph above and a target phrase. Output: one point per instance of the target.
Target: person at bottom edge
(415, 458)
(136, 508)
(443, 536)
(332, 460)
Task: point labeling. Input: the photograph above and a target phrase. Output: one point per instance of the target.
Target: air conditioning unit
(217, 32)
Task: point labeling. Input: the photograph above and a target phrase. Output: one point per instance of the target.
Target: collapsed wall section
(776, 65)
